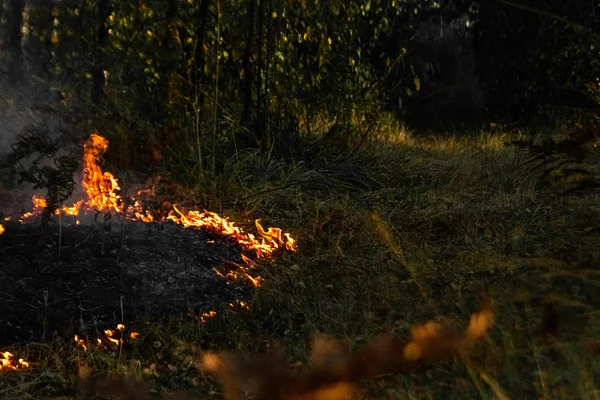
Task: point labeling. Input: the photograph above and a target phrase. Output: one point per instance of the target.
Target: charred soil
(84, 278)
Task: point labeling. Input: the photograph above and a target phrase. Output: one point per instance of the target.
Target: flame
(39, 202)
(7, 362)
(100, 187)
(73, 210)
(110, 336)
(80, 342)
(207, 315)
(102, 190)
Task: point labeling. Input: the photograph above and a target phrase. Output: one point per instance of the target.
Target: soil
(83, 278)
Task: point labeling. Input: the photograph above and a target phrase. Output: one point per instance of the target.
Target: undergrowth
(407, 230)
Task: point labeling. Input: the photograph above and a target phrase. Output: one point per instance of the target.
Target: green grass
(449, 216)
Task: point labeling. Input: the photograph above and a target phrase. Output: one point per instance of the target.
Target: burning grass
(445, 222)
(103, 196)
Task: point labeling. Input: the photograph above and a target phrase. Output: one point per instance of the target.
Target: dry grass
(450, 216)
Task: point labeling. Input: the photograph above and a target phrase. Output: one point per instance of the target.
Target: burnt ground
(107, 272)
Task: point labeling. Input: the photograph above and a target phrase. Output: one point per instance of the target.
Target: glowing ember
(239, 304)
(7, 362)
(2, 229)
(207, 315)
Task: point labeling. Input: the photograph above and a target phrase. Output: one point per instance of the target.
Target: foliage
(536, 52)
(197, 81)
(39, 160)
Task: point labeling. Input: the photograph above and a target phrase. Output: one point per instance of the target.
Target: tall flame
(100, 187)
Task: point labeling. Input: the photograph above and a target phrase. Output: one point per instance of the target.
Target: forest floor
(410, 230)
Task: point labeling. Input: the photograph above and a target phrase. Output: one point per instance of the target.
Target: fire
(7, 362)
(39, 202)
(269, 242)
(2, 229)
(102, 191)
(100, 187)
(207, 315)
(80, 342)
(112, 336)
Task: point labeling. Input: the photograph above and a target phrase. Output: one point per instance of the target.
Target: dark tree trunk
(12, 11)
(259, 128)
(200, 60)
(247, 67)
(168, 61)
(98, 79)
(268, 55)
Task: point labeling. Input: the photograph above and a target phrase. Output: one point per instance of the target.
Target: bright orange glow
(39, 202)
(73, 210)
(2, 229)
(8, 362)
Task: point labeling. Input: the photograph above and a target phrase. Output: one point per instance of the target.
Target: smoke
(28, 108)
(26, 104)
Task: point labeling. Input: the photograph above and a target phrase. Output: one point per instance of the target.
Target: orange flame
(80, 342)
(207, 315)
(2, 229)
(110, 336)
(39, 202)
(100, 187)
(7, 362)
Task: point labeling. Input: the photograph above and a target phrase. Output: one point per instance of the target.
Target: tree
(10, 48)
(536, 52)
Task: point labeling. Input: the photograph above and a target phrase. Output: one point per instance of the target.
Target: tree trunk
(247, 67)
(259, 128)
(98, 78)
(12, 12)
(200, 60)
